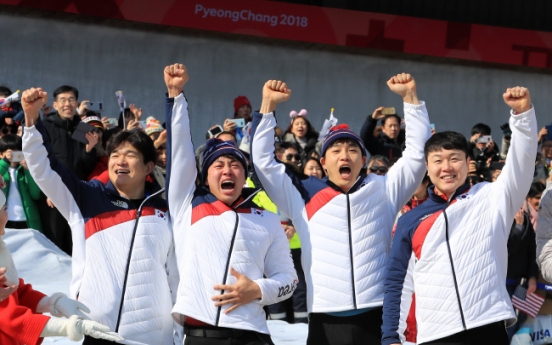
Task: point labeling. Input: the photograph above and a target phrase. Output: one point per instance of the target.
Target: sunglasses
(375, 169)
(296, 156)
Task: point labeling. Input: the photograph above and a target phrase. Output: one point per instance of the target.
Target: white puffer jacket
(211, 238)
(453, 253)
(345, 237)
(544, 234)
(124, 265)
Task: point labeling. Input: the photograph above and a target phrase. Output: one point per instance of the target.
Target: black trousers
(359, 329)
(248, 338)
(494, 333)
(93, 341)
(55, 227)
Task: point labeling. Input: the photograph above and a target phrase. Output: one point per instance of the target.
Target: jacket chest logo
(120, 203)
(257, 212)
(161, 214)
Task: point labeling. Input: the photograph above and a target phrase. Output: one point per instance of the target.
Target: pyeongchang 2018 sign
(325, 25)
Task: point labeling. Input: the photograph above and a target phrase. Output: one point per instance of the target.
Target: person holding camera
(21, 189)
(390, 143)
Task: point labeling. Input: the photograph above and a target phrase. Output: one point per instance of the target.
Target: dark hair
(5, 91)
(310, 158)
(138, 139)
(379, 158)
(384, 120)
(310, 130)
(287, 145)
(447, 140)
(10, 142)
(227, 133)
(8, 129)
(66, 89)
(481, 128)
(536, 189)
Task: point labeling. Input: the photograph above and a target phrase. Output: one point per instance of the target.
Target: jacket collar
(68, 124)
(354, 187)
(440, 198)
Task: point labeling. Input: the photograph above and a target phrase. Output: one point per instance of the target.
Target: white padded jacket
(211, 238)
(345, 237)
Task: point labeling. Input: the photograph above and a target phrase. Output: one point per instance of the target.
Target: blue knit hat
(214, 148)
(341, 132)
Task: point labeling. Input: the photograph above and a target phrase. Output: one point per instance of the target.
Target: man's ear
(149, 167)
(323, 162)
(363, 161)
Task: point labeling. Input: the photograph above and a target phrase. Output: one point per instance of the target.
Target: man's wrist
(267, 106)
(173, 92)
(411, 97)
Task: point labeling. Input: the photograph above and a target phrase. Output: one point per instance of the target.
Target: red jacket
(20, 323)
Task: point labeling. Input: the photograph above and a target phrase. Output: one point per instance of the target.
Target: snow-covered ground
(41, 263)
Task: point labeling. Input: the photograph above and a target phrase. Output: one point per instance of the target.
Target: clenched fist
(176, 77)
(518, 98)
(274, 92)
(32, 101)
(404, 85)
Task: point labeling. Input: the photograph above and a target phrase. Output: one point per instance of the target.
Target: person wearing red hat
(242, 108)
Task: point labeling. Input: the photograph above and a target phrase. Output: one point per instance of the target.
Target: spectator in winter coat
(21, 310)
(452, 250)
(124, 265)
(76, 156)
(390, 143)
(21, 189)
(544, 234)
(10, 112)
(234, 256)
(378, 165)
(345, 222)
(301, 133)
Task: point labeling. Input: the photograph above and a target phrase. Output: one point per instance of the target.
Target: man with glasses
(291, 155)
(378, 165)
(76, 156)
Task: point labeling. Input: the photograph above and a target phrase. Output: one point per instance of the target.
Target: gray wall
(100, 60)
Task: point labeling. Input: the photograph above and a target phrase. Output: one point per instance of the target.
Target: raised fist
(518, 98)
(176, 76)
(32, 101)
(276, 91)
(402, 84)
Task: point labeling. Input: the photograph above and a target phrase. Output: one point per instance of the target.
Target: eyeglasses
(290, 157)
(7, 130)
(67, 100)
(375, 169)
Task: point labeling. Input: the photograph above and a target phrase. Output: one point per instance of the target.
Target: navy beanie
(215, 148)
(341, 132)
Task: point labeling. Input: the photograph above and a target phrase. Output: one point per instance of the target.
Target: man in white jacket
(345, 222)
(452, 250)
(233, 257)
(124, 265)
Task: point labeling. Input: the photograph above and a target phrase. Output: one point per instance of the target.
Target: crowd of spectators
(298, 146)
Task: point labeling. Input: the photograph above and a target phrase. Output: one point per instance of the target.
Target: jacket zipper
(138, 215)
(453, 272)
(351, 250)
(228, 264)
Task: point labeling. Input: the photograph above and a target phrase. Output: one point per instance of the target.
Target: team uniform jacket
(345, 237)
(124, 267)
(211, 238)
(453, 253)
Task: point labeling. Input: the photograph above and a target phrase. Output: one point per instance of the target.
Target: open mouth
(227, 185)
(345, 171)
(122, 172)
(448, 178)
